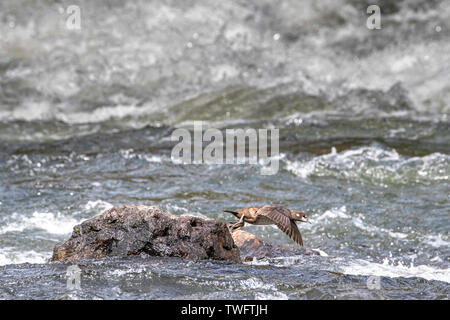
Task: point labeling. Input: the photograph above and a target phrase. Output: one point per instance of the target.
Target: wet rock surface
(134, 230)
(251, 247)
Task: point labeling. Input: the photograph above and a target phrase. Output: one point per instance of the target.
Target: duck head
(298, 216)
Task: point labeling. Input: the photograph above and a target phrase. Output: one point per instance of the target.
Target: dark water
(86, 118)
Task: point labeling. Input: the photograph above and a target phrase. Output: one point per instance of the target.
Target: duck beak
(304, 219)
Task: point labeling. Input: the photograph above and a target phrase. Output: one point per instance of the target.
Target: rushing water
(86, 118)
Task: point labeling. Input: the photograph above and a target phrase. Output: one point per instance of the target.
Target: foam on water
(54, 223)
(376, 165)
(333, 213)
(130, 271)
(263, 290)
(131, 154)
(321, 252)
(392, 270)
(97, 205)
(103, 114)
(358, 222)
(13, 256)
(437, 241)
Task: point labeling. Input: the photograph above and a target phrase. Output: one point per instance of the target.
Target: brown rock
(133, 230)
(252, 247)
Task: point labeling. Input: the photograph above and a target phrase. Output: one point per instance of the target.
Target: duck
(285, 219)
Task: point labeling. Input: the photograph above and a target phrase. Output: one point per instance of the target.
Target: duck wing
(280, 217)
(249, 212)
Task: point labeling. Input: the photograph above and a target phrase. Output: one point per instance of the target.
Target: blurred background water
(86, 118)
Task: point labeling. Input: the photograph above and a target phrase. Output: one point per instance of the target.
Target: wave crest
(375, 165)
